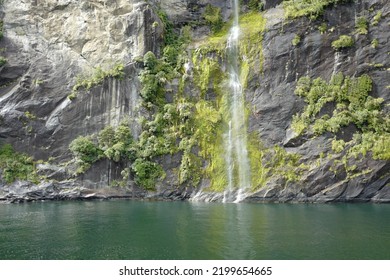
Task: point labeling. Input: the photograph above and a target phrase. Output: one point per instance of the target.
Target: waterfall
(237, 164)
(236, 156)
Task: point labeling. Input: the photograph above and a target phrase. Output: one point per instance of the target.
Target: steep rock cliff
(50, 45)
(274, 102)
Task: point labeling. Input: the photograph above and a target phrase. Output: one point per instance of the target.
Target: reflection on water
(182, 230)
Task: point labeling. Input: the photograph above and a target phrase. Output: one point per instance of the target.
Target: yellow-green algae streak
(212, 116)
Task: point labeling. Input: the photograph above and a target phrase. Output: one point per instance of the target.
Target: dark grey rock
(383, 195)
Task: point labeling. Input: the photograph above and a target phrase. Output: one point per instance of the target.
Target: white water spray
(236, 157)
(235, 138)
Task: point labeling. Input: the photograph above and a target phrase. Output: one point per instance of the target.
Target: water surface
(184, 230)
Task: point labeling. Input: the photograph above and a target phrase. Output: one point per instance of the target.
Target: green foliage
(146, 173)
(159, 137)
(361, 25)
(117, 72)
(255, 5)
(30, 116)
(299, 124)
(207, 121)
(151, 62)
(117, 144)
(351, 96)
(160, 134)
(1, 29)
(120, 147)
(153, 79)
(169, 123)
(323, 27)
(115, 152)
(16, 165)
(285, 164)
(338, 145)
(158, 71)
(207, 71)
(303, 86)
(72, 96)
(190, 166)
(310, 8)
(3, 61)
(106, 137)
(170, 37)
(259, 172)
(207, 58)
(151, 145)
(118, 183)
(352, 105)
(213, 17)
(379, 145)
(208, 135)
(377, 18)
(252, 27)
(344, 41)
(123, 134)
(170, 55)
(374, 43)
(177, 122)
(85, 150)
(296, 40)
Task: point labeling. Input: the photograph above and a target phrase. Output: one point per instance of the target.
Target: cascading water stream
(238, 177)
(236, 159)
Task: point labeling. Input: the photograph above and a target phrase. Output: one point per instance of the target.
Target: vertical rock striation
(49, 45)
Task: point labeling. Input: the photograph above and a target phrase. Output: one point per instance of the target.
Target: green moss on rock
(352, 105)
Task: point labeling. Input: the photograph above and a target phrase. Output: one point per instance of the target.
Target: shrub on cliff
(16, 166)
(311, 8)
(213, 17)
(84, 149)
(344, 41)
(361, 26)
(146, 173)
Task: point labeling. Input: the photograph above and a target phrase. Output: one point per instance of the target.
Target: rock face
(275, 101)
(66, 190)
(49, 44)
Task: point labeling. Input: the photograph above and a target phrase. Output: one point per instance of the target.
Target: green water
(183, 230)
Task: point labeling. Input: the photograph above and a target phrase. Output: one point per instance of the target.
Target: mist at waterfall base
(183, 230)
